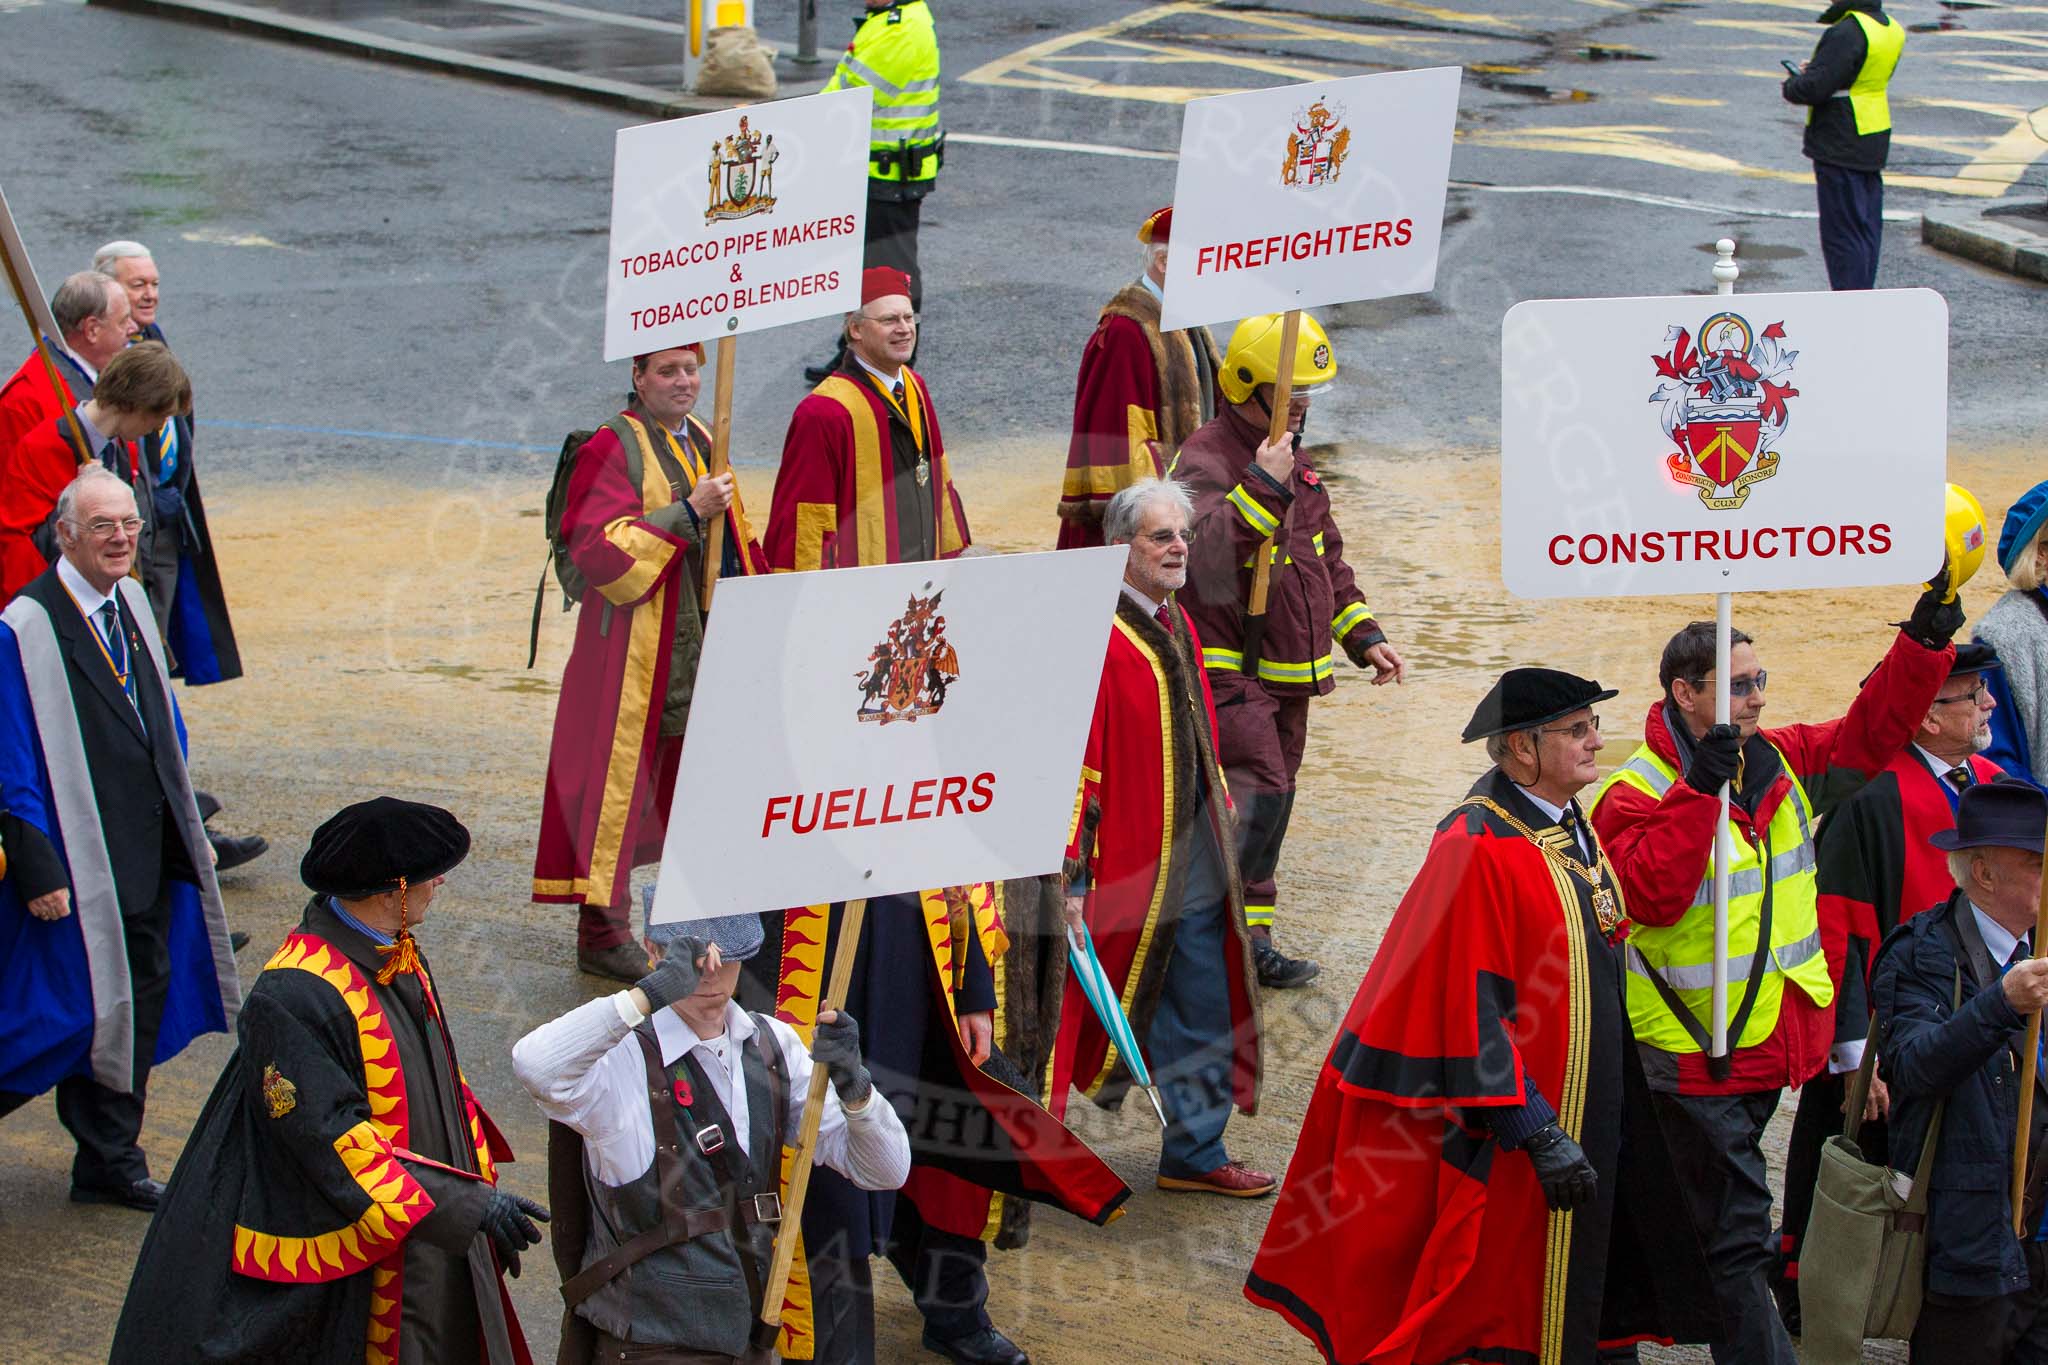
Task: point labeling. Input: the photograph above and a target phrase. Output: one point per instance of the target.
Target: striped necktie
(109, 626)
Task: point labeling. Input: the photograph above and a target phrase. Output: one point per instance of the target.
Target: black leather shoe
(144, 1194)
(986, 1347)
(621, 962)
(1279, 972)
(237, 940)
(231, 851)
(209, 804)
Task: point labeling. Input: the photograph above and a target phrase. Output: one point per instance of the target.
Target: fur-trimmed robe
(1141, 392)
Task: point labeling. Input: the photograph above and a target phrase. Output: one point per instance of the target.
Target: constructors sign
(1723, 443)
(729, 222)
(1305, 195)
(864, 732)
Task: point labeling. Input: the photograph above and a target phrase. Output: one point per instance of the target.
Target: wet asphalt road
(361, 249)
(417, 260)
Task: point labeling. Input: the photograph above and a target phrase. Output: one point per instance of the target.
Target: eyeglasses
(1975, 695)
(892, 319)
(1739, 687)
(1165, 538)
(103, 528)
(1577, 731)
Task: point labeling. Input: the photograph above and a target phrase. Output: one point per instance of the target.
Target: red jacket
(1662, 848)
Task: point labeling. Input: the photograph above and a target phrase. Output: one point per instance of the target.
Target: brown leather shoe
(1232, 1180)
(621, 962)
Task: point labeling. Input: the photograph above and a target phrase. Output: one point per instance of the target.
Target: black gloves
(508, 1221)
(676, 977)
(1935, 622)
(1568, 1179)
(1716, 759)
(836, 1047)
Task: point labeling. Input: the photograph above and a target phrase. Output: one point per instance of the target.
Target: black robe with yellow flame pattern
(326, 1208)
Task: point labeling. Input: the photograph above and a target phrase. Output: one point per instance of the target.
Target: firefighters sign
(1306, 195)
(1722, 443)
(864, 732)
(737, 220)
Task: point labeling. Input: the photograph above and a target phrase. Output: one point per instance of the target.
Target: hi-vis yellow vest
(896, 53)
(1883, 39)
(1682, 954)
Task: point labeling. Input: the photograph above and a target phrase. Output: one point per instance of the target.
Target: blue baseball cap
(2022, 524)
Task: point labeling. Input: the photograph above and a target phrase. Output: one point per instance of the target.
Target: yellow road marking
(1449, 16)
(1687, 101)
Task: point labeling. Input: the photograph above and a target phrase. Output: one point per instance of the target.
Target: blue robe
(46, 997)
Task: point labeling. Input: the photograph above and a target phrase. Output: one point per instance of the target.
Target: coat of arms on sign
(1316, 146)
(742, 174)
(1724, 406)
(910, 670)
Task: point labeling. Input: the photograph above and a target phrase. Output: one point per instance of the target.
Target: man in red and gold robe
(1163, 904)
(864, 480)
(1141, 392)
(637, 543)
(864, 476)
(1478, 1177)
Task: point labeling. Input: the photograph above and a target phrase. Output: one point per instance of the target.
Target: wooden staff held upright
(1262, 561)
(721, 461)
(28, 296)
(2029, 1066)
(777, 1288)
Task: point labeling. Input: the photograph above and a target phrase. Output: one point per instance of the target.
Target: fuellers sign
(863, 732)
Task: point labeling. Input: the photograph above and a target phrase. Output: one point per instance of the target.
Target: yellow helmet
(1253, 357)
(1964, 536)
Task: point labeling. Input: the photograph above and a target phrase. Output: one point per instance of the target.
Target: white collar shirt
(1939, 766)
(1999, 941)
(889, 381)
(585, 1069)
(89, 598)
(91, 373)
(1158, 291)
(1143, 599)
(1556, 814)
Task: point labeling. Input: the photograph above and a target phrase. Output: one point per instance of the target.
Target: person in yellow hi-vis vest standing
(1849, 133)
(895, 53)
(1656, 816)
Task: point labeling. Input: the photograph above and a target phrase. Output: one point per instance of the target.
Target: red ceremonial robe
(1140, 394)
(611, 773)
(837, 496)
(28, 402)
(1403, 1234)
(1133, 794)
(45, 462)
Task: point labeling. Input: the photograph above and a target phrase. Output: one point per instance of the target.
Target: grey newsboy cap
(737, 937)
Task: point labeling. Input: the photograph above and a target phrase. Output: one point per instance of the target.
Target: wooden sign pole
(807, 1132)
(721, 461)
(28, 295)
(2029, 1066)
(1262, 562)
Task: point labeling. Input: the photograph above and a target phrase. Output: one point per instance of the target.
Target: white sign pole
(1726, 272)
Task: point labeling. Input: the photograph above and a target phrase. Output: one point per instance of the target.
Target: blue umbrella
(1110, 1010)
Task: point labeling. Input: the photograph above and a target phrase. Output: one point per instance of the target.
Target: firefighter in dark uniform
(1849, 133)
(1246, 489)
(895, 52)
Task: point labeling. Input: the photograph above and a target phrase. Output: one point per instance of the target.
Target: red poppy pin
(684, 1095)
(1308, 476)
